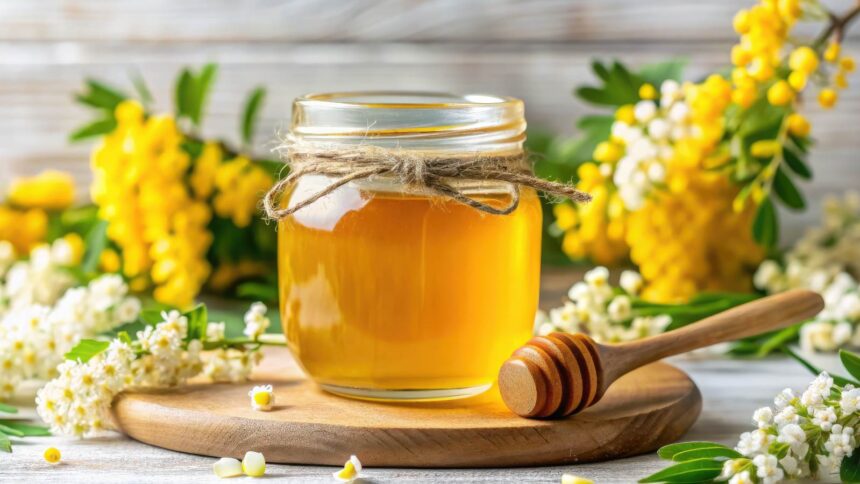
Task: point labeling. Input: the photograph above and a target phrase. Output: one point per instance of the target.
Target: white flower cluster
(824, 260)
(605, 313)
(41, 279)
(78, 400)
(800, 436)
(34, 337)
(649, 142)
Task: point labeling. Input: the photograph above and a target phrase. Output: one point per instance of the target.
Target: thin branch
(838, 25)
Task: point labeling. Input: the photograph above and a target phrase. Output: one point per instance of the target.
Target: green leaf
(197, 321)
(124, 337)
(10, 431)
(27, 430)
(787, 191)
(257, 291)
(697, 470)
(7, 408)
(5, 443)
(184, 93)
(849, 470)
(656, 74)
(96, 241)
(839, 380)
(708, 452)
(851, 362)
(101, 96)
(777, 340)
(669, 452)
(142, 89)
(96, 128)
(202, 87)
(151, 317)
(86, 349)
(620, 86)
(766, 225)
(600, 70)
(796, 163)
(251, 112)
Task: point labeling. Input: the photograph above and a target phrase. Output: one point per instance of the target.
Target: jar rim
(415, 120)
(389, 100)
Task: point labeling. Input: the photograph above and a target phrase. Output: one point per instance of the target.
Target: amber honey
(389, 290)
(395, 292)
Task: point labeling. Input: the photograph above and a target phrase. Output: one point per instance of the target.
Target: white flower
(828, 464)
(842, 333)
(763, 417)
(262, 397)
(741, 478)
(658, 129)
(656, 172)
(351, 470)
(597, 277)
(619, 309)
(256, 322)
(767, 468)
(644, 111)
(128, 309)
(786, 416)
(215, 331)
(841, 442)
(631, 282)
(793, 435)
(755, 442)
(817, 391)
(679, 113)
(850, 400)
(789, 464)
(783, 399)
(767, 274)
(824, 417)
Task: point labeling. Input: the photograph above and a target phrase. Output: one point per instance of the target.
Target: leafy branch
(13, 428)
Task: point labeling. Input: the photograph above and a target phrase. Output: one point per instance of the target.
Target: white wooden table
(732, 390)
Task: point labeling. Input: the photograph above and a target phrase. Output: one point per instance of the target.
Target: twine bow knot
(426, 170)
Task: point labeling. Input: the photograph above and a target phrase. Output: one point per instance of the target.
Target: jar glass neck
(411, 121)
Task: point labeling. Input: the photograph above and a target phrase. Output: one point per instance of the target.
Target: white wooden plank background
(537, 50)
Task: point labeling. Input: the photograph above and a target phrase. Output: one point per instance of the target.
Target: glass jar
(388, 291)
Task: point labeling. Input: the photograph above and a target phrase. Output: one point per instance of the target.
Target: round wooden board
(648, 408)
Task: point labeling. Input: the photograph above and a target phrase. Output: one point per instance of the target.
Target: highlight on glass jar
(409, 234)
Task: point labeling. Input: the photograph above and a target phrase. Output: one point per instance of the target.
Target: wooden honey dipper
(561, 374)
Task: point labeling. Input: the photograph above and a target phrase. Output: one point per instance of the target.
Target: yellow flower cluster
(139, 185)
(236, 184)
(597, 229)
(678, 237)
(159, 201)
(24, 217)
(758, 57)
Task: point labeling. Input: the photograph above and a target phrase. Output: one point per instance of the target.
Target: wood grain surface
(651, 407)
(732, 390)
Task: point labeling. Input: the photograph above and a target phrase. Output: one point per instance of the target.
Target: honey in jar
(388, 291)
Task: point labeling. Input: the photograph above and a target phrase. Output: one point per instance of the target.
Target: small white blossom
(763, 417)
(631, 282)
(741, 478)
(753, 443)
(767, 469)
(644, 111)
(262, 397)
(824, 418)
(256, 322)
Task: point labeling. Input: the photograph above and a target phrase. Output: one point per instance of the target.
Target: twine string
(413, 168)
